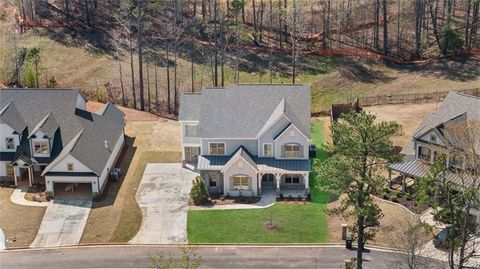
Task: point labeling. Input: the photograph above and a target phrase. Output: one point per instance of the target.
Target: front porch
(286, 184)
(27, 176)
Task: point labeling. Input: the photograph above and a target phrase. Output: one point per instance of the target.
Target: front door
(191, 154)
(268, 181)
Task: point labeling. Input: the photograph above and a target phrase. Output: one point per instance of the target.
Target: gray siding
(231, 145)
(268, 136)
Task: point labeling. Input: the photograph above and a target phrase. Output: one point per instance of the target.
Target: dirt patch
(388, 224)
(130, 114)
(20, 223)
(409, 116)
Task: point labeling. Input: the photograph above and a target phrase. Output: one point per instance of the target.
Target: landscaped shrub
(408, 196)
(199, 194)
(386, 189)
(394, 197)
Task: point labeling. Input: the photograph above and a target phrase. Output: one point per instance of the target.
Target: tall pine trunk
(385, 27)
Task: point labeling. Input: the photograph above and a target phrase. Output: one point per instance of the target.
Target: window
(191, 130)
(267, 150)
(292, 150)
(240, 182)
(424, 153)
(41, 147)
(433, 138)
(70, 166)
(292, 179)
(10, 143)
(212, 182)
(10, 170)
(217, 148)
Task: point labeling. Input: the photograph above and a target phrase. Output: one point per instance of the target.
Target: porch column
(305, 179)
(390, 178)
(15, 175)
(30, 176)
(404, 183)
(277, 180)
(259, 183)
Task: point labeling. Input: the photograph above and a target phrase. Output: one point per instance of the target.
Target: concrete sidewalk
(63, 223)
(18, 197)
(163, 198)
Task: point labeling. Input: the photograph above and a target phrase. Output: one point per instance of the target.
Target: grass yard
(296, 223)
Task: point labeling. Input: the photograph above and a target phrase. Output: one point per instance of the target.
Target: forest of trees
(220, 32)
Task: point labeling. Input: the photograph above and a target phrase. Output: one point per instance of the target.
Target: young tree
(33, 56)
(189, 259)
(361, 148)
(410, 240)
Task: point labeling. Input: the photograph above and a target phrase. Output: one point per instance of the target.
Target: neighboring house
(48, 137)
(430, 139)
(249, 137)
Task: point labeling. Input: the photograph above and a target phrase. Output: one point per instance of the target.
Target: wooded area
(217, 33)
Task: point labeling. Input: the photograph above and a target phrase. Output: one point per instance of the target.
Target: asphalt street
(138, 256)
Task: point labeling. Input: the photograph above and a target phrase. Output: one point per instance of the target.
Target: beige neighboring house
(431, 138)
(247, 138)
(47, 137)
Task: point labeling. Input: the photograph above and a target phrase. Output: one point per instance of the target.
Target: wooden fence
(411, 97)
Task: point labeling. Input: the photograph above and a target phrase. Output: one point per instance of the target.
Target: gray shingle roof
(190, 107)
(240, 111)
(29, 107)
(454, 105)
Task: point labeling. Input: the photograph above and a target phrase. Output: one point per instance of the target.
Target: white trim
(65, 152)
(191, 145)
(189, 121)
(5, 108)
(39, 124)
(284, 131)
(271, 149)
(224, 148)
(235, 158)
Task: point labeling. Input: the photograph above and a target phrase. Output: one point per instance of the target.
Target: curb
(293, 245)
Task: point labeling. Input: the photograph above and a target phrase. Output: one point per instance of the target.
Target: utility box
(348, 242)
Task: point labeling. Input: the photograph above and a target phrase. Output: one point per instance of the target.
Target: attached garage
(73, 190)
(57, 183)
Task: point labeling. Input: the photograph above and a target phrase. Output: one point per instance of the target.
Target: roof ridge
(5, 107)
(466, 95)
(40, 123)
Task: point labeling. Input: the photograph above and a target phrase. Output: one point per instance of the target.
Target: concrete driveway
(163, 198)
(63, 223)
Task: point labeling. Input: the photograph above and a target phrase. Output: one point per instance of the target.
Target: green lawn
(297, 223)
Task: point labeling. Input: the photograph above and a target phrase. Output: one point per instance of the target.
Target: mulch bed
(219, 200)
(410, 203)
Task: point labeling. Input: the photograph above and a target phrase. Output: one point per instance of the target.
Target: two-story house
(432, 138)
(48, 137)
(249, 137)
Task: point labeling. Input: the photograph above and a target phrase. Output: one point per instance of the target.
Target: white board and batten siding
(98, 183)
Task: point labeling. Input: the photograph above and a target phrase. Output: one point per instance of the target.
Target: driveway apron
(163, 198)
(63, 223)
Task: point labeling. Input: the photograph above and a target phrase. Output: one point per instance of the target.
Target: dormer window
(10, 143)
(267, 150)
(40, 147)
